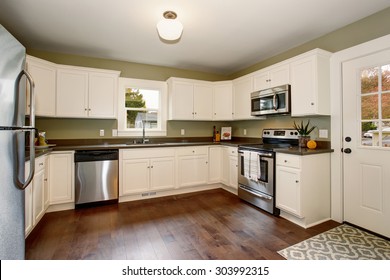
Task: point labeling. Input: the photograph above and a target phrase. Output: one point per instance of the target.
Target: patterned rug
(341, 243)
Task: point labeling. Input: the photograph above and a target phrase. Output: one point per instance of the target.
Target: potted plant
(304, 131)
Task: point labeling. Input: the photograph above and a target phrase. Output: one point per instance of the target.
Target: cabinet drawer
(40, 163)
(147, 153)
(288, 160)
(194, 150)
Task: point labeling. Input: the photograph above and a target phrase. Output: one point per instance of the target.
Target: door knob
(347, 150)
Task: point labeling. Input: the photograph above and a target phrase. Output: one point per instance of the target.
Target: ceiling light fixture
(169, 28)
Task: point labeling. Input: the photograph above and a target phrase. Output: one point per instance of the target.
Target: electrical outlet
(101, 132)
(182, 131)
(323, 133)
(114, 132)
(244, 131)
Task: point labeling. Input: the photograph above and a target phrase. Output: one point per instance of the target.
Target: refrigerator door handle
(30, 128)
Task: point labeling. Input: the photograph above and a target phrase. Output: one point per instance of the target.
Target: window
(142, 104)
(375, 105)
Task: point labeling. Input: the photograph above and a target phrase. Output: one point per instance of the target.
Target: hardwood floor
(205, 225)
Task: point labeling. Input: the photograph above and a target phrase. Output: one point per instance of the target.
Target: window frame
(160, 86)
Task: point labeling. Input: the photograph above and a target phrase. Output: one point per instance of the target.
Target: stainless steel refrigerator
(13, 132)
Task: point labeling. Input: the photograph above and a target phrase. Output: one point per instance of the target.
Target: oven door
(265, 181)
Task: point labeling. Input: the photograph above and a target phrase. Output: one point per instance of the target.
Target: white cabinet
(192, 166)
(44, 76)
(271, 77)
(215, 164)
(35, 194)
(61, 174)
(190, 99)
(310, 84)
(242, 89)
(86, 93)
(144, 170)
(303, 188)
(223, 101)
(230, 167)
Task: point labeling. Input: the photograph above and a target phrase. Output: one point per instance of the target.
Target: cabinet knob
(285, 161)
(296, 181)
(312, 103)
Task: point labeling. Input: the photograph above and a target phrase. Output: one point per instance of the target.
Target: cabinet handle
(296, 181)
(285, 161)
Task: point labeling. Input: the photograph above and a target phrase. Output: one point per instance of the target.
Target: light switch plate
(101, 132)
(182, 131)
(323, 133)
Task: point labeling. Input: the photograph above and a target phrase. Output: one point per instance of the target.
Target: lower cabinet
(215, 164)
(35, 194)
(303, 188)
(230, 167)
(192, 166)
(145, 170)
(61, 174)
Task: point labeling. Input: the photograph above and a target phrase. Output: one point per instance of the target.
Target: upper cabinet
(190, 99)
(44, 76)
(86, 93)
(310, 83)
(271, 77)
(72, 92)
(242, 89)
(223, 101)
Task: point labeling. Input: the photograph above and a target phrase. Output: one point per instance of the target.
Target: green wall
(369, 28)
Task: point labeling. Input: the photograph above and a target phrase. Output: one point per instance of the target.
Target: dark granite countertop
(303, 151)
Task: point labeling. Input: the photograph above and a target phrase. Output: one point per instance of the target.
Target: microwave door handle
(275, 102)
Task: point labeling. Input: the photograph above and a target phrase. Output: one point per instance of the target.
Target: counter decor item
(226, 133)
(304, 131)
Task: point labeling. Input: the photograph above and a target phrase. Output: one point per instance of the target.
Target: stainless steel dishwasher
(96, 177)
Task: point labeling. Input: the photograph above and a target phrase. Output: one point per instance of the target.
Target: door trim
(336, 85)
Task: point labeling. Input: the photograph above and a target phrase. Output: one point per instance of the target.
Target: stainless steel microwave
(270, 101)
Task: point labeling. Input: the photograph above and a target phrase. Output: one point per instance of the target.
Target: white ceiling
(220, 36)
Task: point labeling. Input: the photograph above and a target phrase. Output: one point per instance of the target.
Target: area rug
(344, 242)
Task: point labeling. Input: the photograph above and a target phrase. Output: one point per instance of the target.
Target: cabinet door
(280, 75)
(38, 196)
(225, 177)
(261, 80)
(223, 101)
(72, 93)
(203, 102)
(233, 171)
(303, 87)
(215, 168)
(162, 173)
(288, 190)
(192, 170)
(181, 101)
(242, 90)
(61, 173)
(46, 195)
(44, 76)
(136, 176)
(102, 95)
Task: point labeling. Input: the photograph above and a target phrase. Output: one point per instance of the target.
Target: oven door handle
(263, 196)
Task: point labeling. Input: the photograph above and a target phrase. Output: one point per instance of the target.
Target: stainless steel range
(256, 168)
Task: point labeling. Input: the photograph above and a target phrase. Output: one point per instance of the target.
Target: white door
(366, 142)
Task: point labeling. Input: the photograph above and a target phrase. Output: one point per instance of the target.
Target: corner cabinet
(223, 101)
(303, 188)
(310, 83)
(86, 92)
(44, 75)
(242, 89)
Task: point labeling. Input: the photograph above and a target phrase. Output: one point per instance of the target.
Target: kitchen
(82, 129)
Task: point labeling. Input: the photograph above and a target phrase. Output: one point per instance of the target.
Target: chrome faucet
(144, 141)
